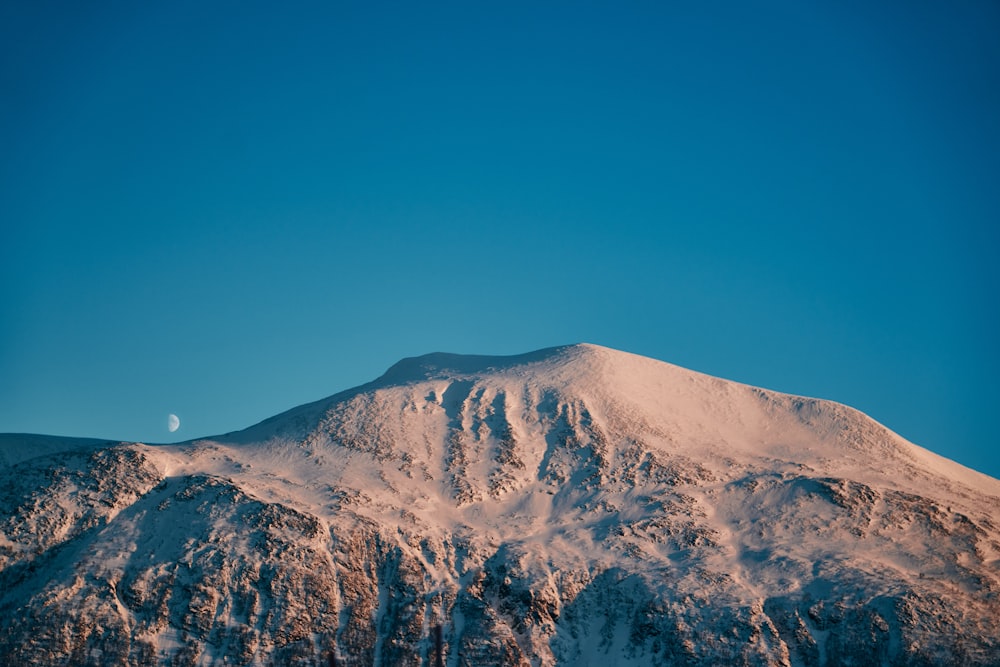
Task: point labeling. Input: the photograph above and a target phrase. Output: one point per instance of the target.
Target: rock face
(574, 506)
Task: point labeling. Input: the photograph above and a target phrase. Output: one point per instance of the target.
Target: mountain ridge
(597, 359)
(572, 504)
(420, 368)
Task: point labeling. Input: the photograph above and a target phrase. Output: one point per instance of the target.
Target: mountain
(572, 506)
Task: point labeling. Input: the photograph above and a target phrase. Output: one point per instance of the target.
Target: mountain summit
(571, 506)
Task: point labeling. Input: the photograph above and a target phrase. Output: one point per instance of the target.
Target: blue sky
(225, 209)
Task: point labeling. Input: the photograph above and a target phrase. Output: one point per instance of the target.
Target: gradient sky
(226, 209)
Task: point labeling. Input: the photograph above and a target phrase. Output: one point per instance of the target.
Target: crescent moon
(173, 423)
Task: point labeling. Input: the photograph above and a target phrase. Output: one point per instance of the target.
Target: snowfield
(571, 506)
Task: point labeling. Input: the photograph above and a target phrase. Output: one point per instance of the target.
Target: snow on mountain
(570, 506)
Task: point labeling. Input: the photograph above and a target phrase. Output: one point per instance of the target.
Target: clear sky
(225, 209)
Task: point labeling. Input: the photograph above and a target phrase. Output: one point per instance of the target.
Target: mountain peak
(440, 364)
(639, 397)
(570, 504)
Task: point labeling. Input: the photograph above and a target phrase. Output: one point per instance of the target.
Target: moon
(173, 422)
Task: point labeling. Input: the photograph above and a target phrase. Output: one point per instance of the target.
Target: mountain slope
(576, 505)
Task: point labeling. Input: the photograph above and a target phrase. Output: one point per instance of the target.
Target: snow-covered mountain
(572, 506)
